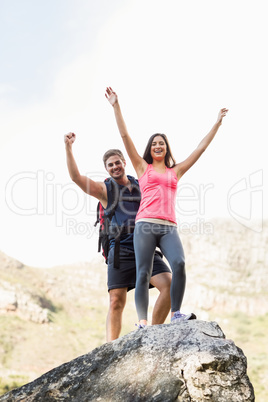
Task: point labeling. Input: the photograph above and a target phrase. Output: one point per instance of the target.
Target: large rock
(188, 361)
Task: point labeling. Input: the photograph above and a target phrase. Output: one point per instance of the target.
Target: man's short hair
(112, 152)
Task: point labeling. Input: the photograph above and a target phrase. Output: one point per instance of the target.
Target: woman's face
(158, 148)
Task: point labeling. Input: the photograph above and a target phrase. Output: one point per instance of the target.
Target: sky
(173, 64)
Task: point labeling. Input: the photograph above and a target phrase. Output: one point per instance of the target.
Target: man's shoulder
(133, 180)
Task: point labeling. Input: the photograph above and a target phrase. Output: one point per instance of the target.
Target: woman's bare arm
(182, 167)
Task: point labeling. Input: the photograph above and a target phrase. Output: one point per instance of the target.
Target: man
(122, 279)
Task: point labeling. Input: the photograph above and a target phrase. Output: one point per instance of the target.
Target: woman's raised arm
(182, 167)
(138, 162)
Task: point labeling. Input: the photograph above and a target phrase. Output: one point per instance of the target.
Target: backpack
(104, 219)
(103, 237)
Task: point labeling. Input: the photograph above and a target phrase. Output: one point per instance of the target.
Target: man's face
(115, 167)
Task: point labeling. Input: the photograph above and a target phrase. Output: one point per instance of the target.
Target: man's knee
(117, 299)
(162, 281)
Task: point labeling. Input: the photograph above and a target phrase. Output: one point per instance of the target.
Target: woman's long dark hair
(169, 159)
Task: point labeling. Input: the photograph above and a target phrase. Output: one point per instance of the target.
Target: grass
(12, 381)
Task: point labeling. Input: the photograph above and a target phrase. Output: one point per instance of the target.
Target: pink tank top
(158, 194)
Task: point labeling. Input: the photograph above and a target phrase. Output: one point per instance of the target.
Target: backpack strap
(98, 214)
(114, 189)
(115, 192)
(104, 218)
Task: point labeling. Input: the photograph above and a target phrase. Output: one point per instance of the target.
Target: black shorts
(125, 276)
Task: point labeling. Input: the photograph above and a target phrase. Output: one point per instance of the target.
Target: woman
(158, 175)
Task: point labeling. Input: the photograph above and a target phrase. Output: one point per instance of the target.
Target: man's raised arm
(91, 187)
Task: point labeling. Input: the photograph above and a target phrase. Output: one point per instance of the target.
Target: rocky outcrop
(34, 294)
(15, 297)
(187, 361)
(22, 302)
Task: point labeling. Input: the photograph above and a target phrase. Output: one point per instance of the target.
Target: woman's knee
(143, 276)
(178, 267)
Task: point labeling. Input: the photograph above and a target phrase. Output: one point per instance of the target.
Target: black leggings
(148, 236)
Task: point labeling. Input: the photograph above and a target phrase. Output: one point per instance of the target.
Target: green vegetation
(12, 381)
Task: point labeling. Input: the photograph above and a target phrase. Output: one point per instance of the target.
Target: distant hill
(227, 269)
(51, 315)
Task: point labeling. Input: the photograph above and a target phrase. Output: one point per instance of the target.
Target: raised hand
(222, 113)
(69, 138)
(111, 96)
